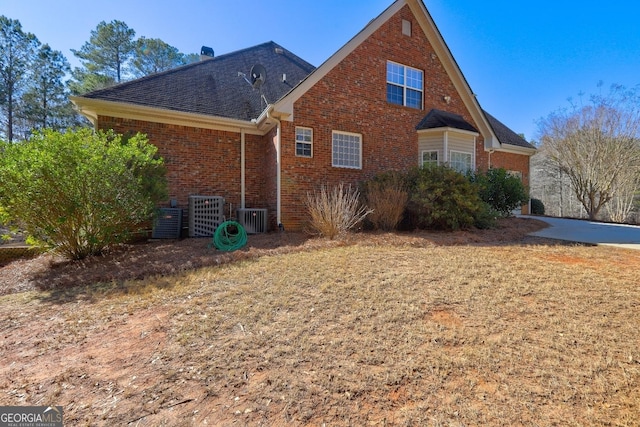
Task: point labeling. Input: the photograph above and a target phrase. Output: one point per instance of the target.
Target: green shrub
(537, 207)
(335, 211)
(486, 217)
(502, 191)
(386, 194)
(442, 198)
(81, 191)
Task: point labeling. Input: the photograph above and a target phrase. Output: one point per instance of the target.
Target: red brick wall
(513, 162)
(203, 161)
(352, 98)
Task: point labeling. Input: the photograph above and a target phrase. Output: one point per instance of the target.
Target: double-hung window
(462, 162)
(429, 158)
(346, 150)
(404, 85)
(304, 142)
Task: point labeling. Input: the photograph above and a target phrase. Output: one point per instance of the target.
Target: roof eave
(92, 108)
(448, 129)
(516, 149)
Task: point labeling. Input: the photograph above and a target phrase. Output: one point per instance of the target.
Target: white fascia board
(448, 129)
(92, 108)
(455, 73)
(284, 106)
(516, 149)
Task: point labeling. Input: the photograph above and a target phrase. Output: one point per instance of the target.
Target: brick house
(392, 98)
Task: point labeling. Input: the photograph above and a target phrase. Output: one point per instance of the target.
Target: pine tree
(154, 56)
(45, 103)
(17, 50)
(108, 52)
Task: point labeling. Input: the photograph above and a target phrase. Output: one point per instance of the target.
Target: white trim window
(404, 85)
(429, 158)
(517, 174)
(304, 142)
(346, 150)
(461, 161)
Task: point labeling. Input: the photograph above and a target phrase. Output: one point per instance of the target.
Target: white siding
(430, 143)
(455, 142)
(463, 143)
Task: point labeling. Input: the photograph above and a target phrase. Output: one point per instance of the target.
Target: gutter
(92, 108)
(516, 149)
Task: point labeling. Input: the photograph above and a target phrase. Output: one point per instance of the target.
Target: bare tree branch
(597, 145)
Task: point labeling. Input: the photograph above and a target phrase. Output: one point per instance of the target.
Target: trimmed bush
(387, 196)
(442, 198)
(486, 218)
(335, 211)
(502, 191)
(81, 191)
(537, 207)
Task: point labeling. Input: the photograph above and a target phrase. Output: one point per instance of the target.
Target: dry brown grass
(387, 331)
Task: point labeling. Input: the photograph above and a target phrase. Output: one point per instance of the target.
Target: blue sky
(522, 59)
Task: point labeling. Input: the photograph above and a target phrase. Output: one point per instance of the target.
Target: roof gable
(216, 86)
(285, 105)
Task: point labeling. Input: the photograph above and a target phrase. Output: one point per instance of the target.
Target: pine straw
(166, 257)
(391, 330)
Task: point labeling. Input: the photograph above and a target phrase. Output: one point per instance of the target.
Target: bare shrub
(335, 211)
(387, 195)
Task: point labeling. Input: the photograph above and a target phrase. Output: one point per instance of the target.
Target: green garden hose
(229, 236)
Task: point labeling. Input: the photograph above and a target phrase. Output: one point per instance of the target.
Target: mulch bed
(165, 257)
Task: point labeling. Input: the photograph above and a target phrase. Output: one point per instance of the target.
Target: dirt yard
(486, 328)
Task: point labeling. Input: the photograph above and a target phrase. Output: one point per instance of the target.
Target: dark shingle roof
(214, 86)
(443, 119)
(506, 135)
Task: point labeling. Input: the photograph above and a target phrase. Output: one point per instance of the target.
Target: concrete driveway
(584, 231)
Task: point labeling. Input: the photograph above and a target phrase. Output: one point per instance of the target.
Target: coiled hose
(229, 236)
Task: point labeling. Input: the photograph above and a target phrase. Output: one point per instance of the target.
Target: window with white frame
(517, 174)
(304, 142)
(404, 85)
(346, 150)
(429, 158)
(460, 161)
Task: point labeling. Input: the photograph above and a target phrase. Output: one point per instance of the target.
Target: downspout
(242, 170)
(474, 154)
(445, 146)
(278, 168)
